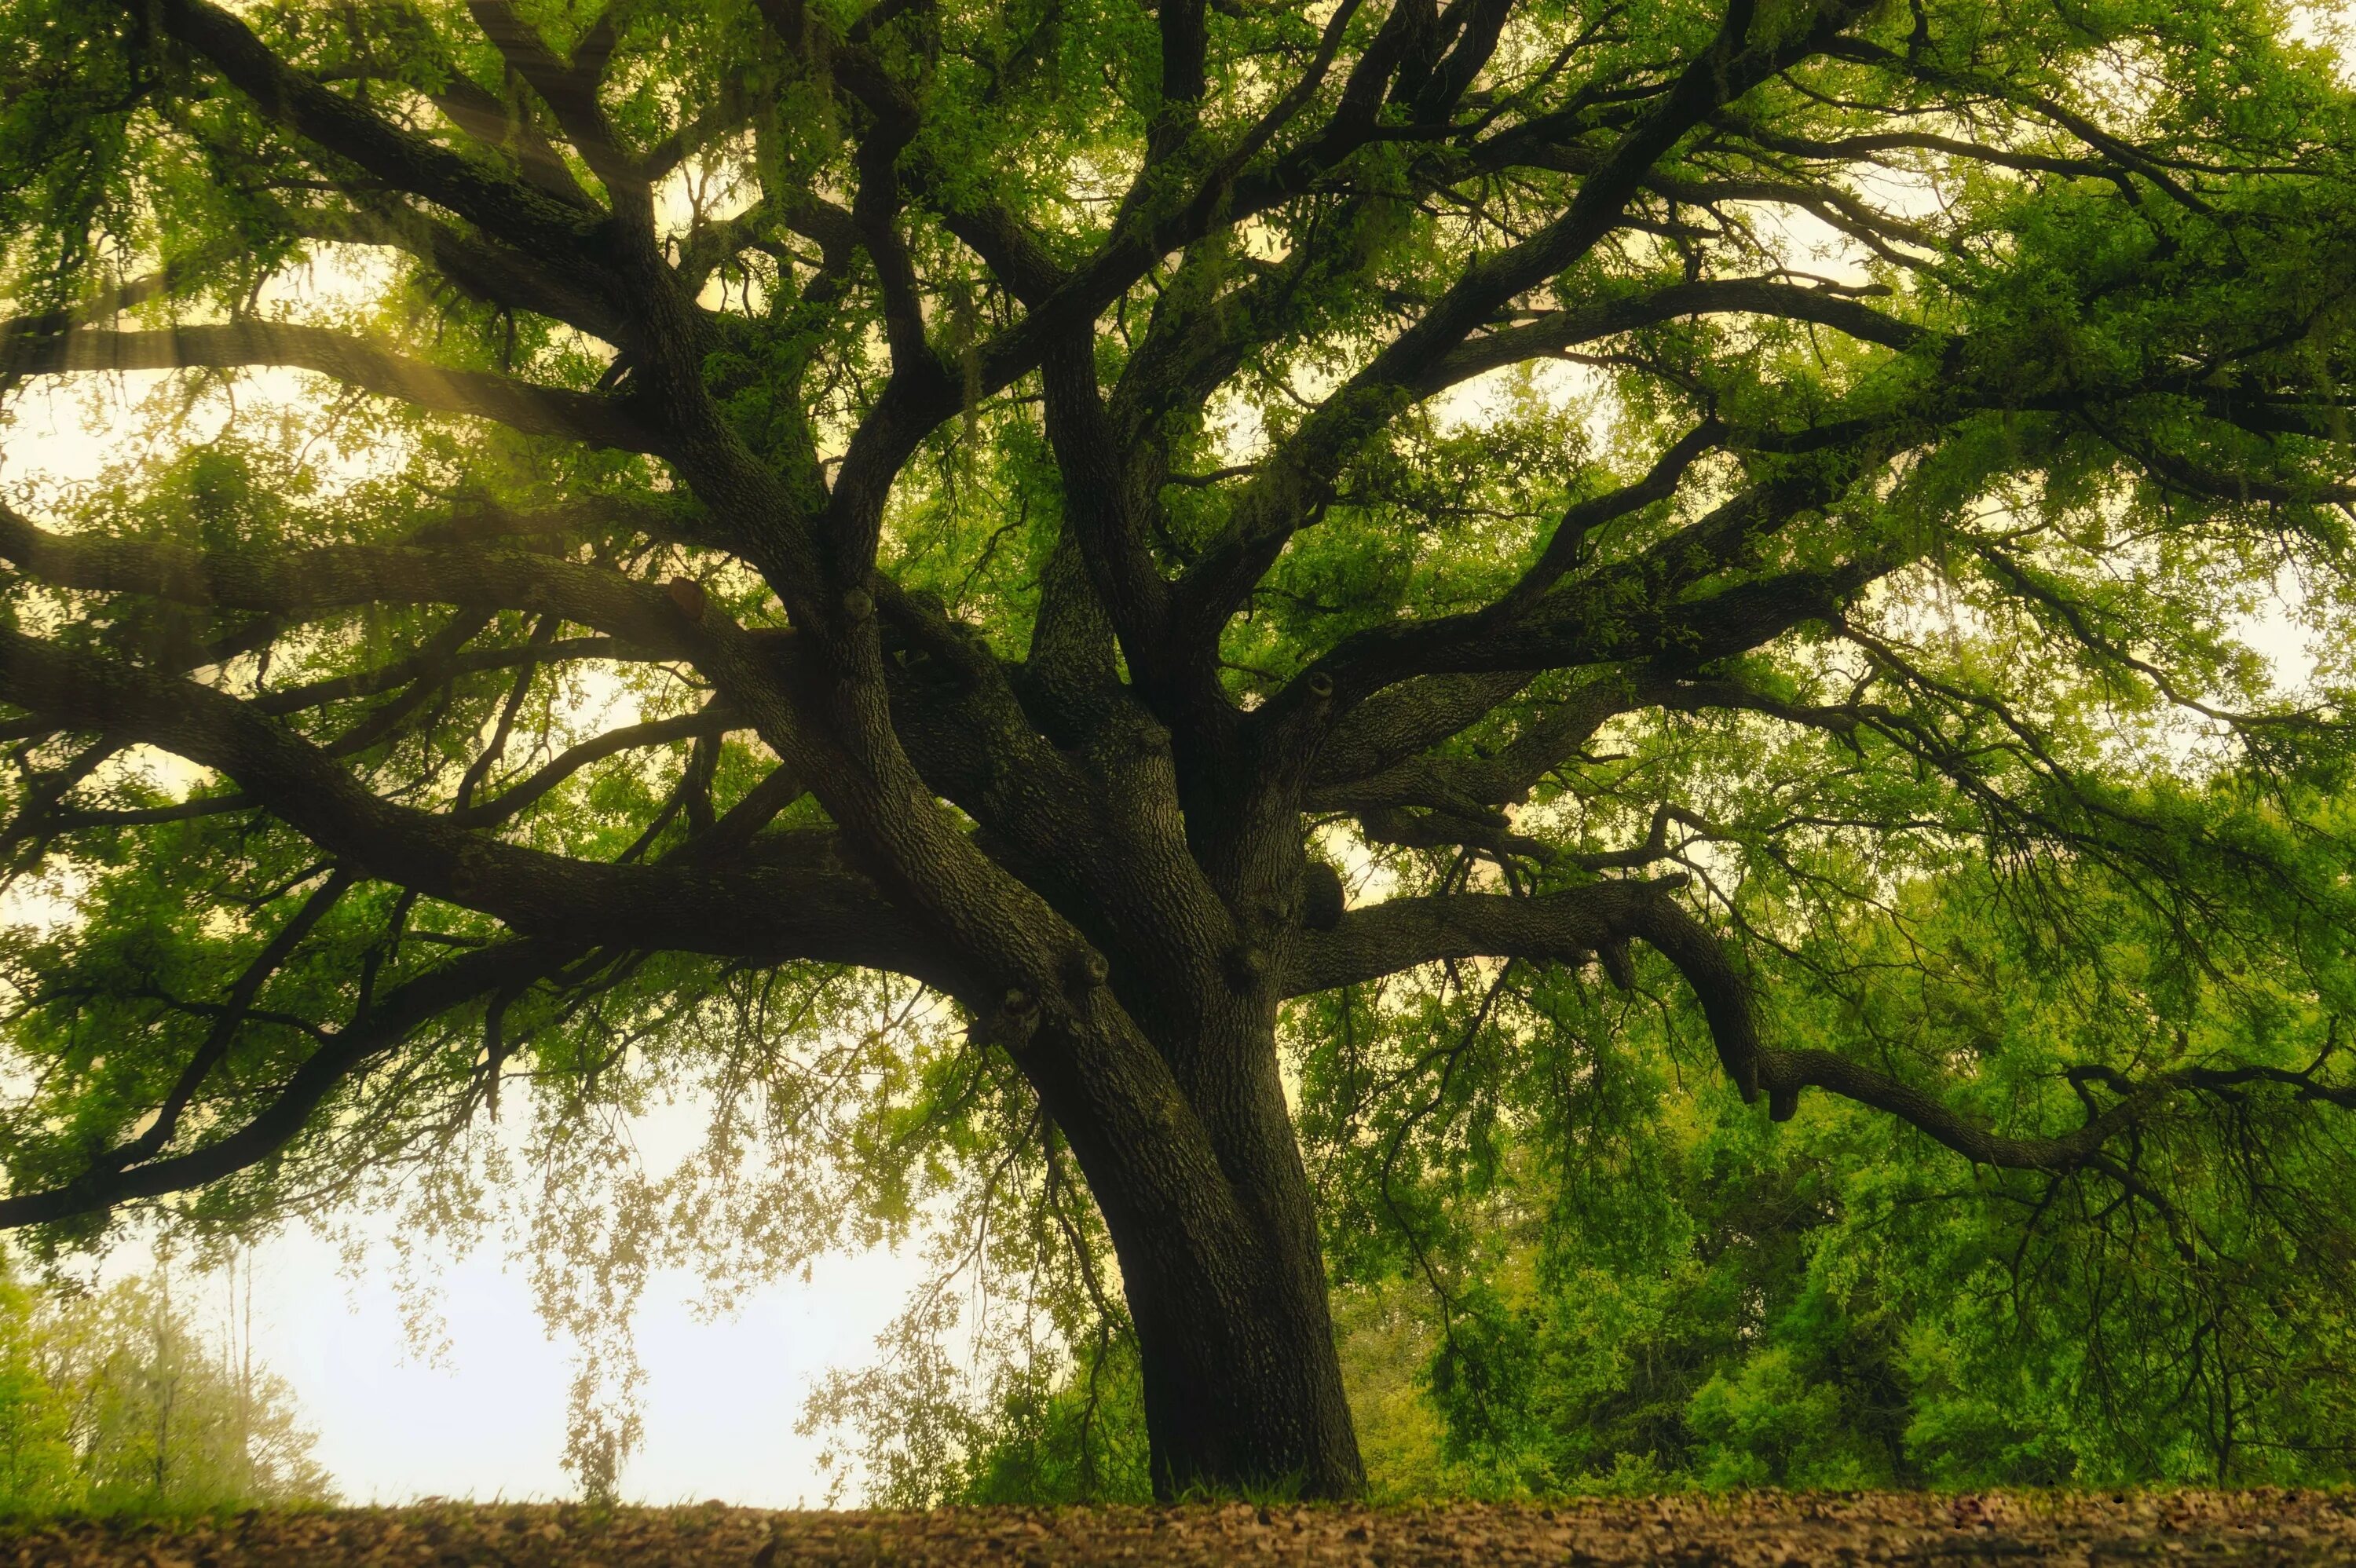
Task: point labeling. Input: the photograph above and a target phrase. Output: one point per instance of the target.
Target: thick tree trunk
(1243, 1383)
(1243, 1388)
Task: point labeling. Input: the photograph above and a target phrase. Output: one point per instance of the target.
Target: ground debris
(1753, 1531)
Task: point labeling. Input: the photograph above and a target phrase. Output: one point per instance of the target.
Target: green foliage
(1949, 690)
(1012, 1377)
(117, 1401)
(1624, 1279)
(36, 1456)
(1043, 1429)
(1570, 1275)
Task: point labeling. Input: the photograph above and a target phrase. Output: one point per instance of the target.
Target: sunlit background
(485, 1417)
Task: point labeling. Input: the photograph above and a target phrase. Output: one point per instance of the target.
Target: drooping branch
(1571, 926)
(392, 1018)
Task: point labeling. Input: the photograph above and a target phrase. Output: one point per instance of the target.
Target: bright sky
(485, 1417)
(721, 1396)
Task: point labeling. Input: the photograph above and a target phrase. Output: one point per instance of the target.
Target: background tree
(122, 1398)
(994, 497)
(36, 1459)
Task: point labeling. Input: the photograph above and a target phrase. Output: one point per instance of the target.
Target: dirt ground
(1765, 1530)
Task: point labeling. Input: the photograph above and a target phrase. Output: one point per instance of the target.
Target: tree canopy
(1225, 637)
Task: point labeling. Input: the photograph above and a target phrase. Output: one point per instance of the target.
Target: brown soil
(1765, 1531)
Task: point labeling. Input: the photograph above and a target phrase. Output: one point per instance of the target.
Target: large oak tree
(1062, 476)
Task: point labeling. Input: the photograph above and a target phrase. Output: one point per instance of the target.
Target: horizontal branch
(775, 906)
(1400, 933)
(342, 577)
(433, 662)
(946, 726)
(1557, 330)
(590, 417)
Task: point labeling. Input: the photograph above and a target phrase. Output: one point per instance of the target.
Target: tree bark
(1227, 1289)
(1243, 1385)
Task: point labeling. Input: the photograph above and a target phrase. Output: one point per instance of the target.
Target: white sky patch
(478, 1410)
